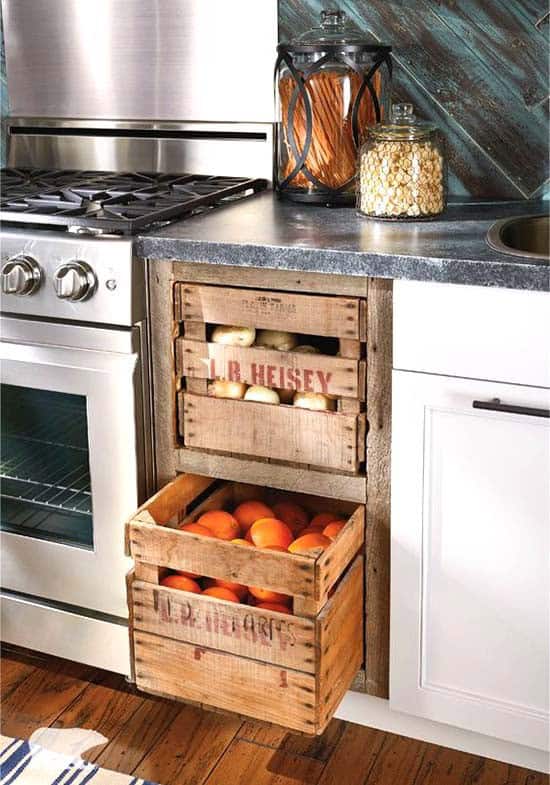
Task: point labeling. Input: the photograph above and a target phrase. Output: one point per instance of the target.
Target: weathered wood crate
(292, 670)
(334, 441)
(155, 542)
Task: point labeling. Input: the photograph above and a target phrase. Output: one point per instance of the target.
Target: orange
(222, 524)
(221, 593)
(295, 517)
(270, 531)
(240, 541)
(237, 588)
(196, 528)
(248, 537)
(309, 541)
(275, 548)
(249, 512)
(266, 595)
(321, 520)
(274, 606)
(310, 530)
(333, 529)
(181, 582)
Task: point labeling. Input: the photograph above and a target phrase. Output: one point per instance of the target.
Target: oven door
(72, 460)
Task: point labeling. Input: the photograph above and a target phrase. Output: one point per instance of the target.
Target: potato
(276, 339)
(261, 394)
(315, 401)
(223, 389)
(306, 349)
(234, 336)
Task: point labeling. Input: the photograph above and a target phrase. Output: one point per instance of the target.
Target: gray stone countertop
(264, 232)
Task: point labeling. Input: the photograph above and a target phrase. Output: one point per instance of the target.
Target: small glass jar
(402, 173)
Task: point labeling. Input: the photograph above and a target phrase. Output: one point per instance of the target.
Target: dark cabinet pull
(496, 406)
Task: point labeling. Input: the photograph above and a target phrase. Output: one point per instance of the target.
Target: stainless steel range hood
(162, 85)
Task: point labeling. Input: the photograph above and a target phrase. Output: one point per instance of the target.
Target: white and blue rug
(27, 763)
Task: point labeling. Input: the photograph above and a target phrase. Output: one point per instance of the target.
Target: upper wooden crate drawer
(337, 317)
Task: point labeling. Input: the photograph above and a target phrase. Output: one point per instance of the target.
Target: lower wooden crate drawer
(285, 669)
(332, 440)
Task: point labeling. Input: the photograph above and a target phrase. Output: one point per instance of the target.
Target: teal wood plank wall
(479, 68)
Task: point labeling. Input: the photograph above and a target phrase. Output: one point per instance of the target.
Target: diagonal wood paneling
(478, 68)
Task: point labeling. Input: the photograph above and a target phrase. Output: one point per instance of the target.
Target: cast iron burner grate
(114, 202)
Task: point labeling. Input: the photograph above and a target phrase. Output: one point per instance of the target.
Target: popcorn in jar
(402, 169)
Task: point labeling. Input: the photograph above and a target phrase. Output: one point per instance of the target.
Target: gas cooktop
(111, 202)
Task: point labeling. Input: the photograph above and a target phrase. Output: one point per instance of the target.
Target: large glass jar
(332, 83)
(402, 170)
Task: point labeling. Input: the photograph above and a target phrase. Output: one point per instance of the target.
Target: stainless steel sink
(527, 236)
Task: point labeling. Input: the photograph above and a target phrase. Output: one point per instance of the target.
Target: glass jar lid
(335, 29)
(403, 125)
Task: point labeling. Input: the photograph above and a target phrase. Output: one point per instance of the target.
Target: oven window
(44, 466)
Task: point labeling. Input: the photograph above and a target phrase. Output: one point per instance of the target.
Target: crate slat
(339, 376)
(304, 479)
(309, 314)
(341, 629)
(179, 550)
(285, 433)
(190, 672)
(267, 636)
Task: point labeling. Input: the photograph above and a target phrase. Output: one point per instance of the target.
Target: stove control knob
(21, 275)
(74, 281)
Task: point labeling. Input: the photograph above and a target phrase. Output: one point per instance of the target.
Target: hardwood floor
(175, 744)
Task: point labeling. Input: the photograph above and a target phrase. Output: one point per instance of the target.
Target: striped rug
(26, 763)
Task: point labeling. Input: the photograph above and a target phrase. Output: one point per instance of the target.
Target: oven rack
(42, 523)
(45, 474)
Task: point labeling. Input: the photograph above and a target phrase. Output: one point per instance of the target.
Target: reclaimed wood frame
(374, 490)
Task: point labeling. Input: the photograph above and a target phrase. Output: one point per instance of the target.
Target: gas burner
(112, 202)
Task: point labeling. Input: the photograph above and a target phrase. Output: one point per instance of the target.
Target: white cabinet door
(470, 556)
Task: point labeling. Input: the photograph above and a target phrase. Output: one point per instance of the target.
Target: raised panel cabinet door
(470, 555)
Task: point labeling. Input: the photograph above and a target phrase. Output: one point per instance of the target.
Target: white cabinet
(470, 556)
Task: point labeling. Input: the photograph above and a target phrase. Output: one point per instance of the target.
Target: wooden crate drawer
(155, 542)
(330, 441)
(333, 440)
(340, 317)
(274, 667)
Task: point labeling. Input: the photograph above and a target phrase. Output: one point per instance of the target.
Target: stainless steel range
(76, 433)
(98, 153)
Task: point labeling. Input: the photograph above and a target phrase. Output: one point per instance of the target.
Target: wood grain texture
(271, 637)
(319, 747)
(187, 672)
(479, 69)
(285, 433)
(250, 764)
(291, 478)
(181, 745)
(377, 537)
(41, 697)
(189, 748)
(310, 314)
(285, 280)
(161, 336)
